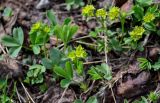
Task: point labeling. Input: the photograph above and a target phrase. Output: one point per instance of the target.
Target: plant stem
(27, 48)
(45, 52)
(60, 100)
(88, 44)
(122, 24)
(105, 40)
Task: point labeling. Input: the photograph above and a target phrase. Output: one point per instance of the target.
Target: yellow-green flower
(113, 13)
(36, 26)
(46, 29)
(72, 55)
(137, 33)
(101, 13)
(88, 10)
(149, 17)
(80, 52)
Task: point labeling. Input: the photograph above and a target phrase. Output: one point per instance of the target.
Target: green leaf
(73, 30)
(138, 12)
(2, 83)
(158, 32)
(78, 101)
(93, 34)
(92, 100)
(115, 44)
(94, 73)
(153, 9)
(47, 63)
(65, 33)
(18, 35)
(9, 41)
(150, 26)
(67, 21)
(69, 1)
(51, 16)
(106, 70)
(144, 100)
(14, 51)
(35, 74)
(156, 65)
(7, 12)
(65, 83)
(125, 101)
(69, 71)
(55, 55)
(144, 63)
(58, 30)
(14, 42)
(144, 2)
(80, 67)
(36, 49)
(60, 71)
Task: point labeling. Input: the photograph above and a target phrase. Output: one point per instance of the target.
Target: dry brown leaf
(126, 7)
(54, 93)
(153, 53)
(9, 67)
(132, 88)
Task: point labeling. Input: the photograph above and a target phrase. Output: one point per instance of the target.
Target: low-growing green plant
(39, 36)
(100, 72)
(35, 74)
(67, 64)
(14, 43)
(55, 57)
(4, 98)
(65, 31)
(156, 65)
(73, 4)
(151, 98)
(7, 12)
(144, 64)
(66, 73)
(144, 24)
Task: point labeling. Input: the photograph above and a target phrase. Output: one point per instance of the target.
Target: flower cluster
(36, 26)
(137, 33)
(113, 13)
(149, 17)
(78, 53)
(88, 11)
(101, 13)
(39, 26)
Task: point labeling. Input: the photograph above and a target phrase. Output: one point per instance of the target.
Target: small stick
(18, 95)
(145, 40)
(113, 94)
(93, 62)
(60, 100)
(27, 93)
(2, 49)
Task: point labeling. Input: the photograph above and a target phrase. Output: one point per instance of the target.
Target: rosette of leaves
(102, 71)
(39, 35)
(56, 57)
(15, 42)
(66, 73)
(73, 4)
(35, 74)
(65, 31)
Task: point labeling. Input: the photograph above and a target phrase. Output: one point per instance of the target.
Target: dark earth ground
(128, 81)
